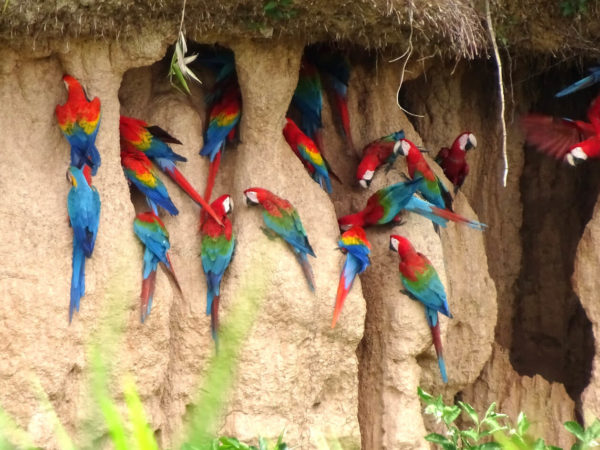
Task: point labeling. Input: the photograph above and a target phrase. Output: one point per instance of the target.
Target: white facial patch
(345, 227)
(227, 205)
(405, 147)
(394, 243)
(251, 195)
(367, 176)
(576, 155)
(462, 141)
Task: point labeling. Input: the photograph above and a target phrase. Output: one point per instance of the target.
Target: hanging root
(488, 19)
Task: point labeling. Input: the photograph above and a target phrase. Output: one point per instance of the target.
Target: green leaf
(470, 434)
(437, 439)
(230, 442)
(450, 414)
(575, 428)
(270, 5)
(489, 446)
(262, 443)
(540, 444)
(522, 423)
(427, 398)
(470, 411)
(553, 447)
(490, 410)
(142, 433)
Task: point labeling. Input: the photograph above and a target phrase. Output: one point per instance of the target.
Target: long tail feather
(440, 216)
(434, 325)
(214, 321)
(77, 280)
(346, 280)
(170, 169)
(583, 83)
(307, 269)
(171, 270)
(148, 286)
(342, 106)
(317, 137)
(444, 213)
(212, 175)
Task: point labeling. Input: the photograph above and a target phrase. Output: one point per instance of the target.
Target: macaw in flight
(421, 282)
(282, 219)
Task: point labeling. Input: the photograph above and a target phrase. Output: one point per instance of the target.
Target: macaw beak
(364, 183)
(68, 176)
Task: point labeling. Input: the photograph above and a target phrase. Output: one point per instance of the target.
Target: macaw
(79, 120)
(590, 80)
(308, 99)
(453, 160)
(573, 141)
(152, 141)
(218, 244)
(433, 190)
(382, 151)
(223, 117)
(421, 282)
(336, 66)
(152, 232)
(356, 246)
(83, 204)
(306, 150)
(283, 219)
(385, 206)
(138, 170)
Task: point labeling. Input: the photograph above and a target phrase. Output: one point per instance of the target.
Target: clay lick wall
(357, 382)
(536, 224)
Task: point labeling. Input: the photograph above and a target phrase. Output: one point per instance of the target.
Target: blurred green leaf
(437, 438)
(470, 412)
(575, 428)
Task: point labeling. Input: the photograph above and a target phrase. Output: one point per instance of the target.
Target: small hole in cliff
(552, 335)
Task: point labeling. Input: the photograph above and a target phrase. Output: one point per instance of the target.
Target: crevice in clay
(552, 335)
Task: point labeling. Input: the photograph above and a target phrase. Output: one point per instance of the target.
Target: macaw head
(255, 196)
(74, 87)
(576, 156)
(223, 205)
(365, 171)
(404, 146)
(351, 220)
(401, 245)
(75, 176)
(466, 141)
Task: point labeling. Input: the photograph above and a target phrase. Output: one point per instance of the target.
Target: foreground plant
(495, 430)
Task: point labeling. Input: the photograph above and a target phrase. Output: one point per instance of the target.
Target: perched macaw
(152, 141)
(421, 282)
(433, 190)
(590, 80)
(308, 99)
(382, 151)
(355, 245)
(571, 140)
(306, 150)
(453, 160)
(223, 117)
(152, 232)
(283, 219)
(79, 120)
(138, 170)
(335, 65)
(385, 206)
(218, 244)
(83, 204)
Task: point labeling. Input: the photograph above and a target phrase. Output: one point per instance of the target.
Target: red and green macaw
(382, 151)
(308, 99)
(79, 120)
(283, 219)
(421, 282)
(218, 244)
(573, 141)
(453, 160)
(433, 190)
(152, 232)
(224, 115)
(306, 150)
(83, 204)
(355, 245)
(138, 170)
(335, 65)
(152, 141)
(385, 206)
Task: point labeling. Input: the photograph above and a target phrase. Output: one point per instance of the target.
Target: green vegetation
(279, 9)
(494, 431)
(570, 8)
